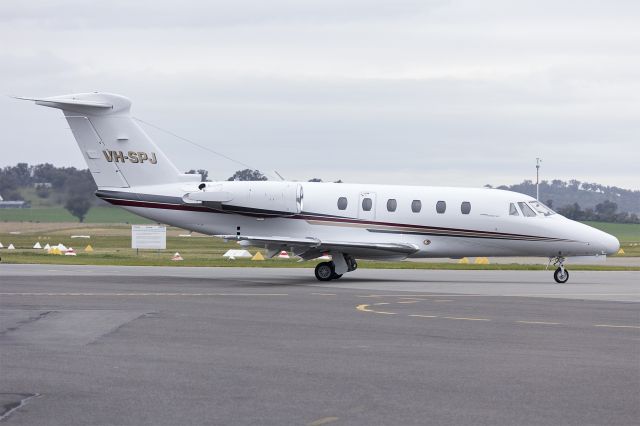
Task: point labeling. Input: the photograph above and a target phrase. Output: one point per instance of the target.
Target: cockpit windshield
(526, 210)
(541, 208)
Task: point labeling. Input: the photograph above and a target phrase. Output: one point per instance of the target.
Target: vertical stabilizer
(118, 152)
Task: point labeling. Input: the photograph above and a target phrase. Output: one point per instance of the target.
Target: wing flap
(310, 247)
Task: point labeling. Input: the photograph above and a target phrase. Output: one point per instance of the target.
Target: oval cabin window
(465, 207)
(342, 203)
(392, 205)
(416, 206)
(367, 204)
(441, 207)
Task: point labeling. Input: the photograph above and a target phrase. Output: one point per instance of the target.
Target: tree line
(74, 189)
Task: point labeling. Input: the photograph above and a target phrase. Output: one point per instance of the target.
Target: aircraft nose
(610, 244)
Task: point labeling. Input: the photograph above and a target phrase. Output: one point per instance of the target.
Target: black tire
(336, 276)
(324, 271)
(560, 277)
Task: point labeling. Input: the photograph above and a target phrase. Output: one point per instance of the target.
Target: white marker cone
(283, 255)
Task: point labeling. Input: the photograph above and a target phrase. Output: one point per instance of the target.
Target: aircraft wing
(310, 248)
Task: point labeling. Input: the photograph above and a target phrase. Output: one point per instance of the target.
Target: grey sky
(430, 92)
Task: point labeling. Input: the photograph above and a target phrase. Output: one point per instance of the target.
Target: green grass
(112, 243)
(197, 251)
(625, 232)
(101, 214)
(128, 257)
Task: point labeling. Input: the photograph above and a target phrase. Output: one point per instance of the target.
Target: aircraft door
(367, 206)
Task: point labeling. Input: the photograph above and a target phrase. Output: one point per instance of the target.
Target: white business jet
(346, 221)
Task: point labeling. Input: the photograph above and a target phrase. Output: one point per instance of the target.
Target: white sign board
(149, 237)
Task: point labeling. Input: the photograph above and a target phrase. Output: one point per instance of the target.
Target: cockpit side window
(513, 211)
(526, 210)
(541, 208)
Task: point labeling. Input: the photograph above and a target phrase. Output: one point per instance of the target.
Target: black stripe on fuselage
(175, 203)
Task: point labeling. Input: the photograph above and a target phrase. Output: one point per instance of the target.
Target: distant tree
(315, 180)
(247, 175)
(606, 209)
(78, 206)
(22, 172)
(204, 174)
(571, 211)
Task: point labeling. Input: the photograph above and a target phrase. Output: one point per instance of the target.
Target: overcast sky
(429, 92)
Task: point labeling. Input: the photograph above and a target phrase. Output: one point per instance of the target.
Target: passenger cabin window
(441, 206)
(526, 210)
(513, 211)
(416, 206)
(541, 208)
(392, 205)
(342, 203)
(367, 204)
(465, 207)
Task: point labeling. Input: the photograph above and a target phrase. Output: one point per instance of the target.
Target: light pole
(538, 161)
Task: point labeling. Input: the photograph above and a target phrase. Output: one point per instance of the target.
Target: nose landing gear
(561, 275)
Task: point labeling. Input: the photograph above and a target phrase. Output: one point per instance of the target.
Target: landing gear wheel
(561, 275)
(324, 271)
(336, 276)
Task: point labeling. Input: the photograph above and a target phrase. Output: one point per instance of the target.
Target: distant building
(12, 204)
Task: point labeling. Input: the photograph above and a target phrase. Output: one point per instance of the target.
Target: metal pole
(538, 160)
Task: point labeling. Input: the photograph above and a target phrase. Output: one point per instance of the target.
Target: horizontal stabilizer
(60, 102)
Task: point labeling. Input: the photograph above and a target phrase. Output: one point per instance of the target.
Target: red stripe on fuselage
(434, 230)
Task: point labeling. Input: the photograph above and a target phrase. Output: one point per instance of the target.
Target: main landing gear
(327, 271)
(561, 275)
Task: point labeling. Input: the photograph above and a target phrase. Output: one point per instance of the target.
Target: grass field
(112, 243)
(100, 214)
(625, 232)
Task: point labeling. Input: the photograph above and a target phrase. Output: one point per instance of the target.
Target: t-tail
(118, 152)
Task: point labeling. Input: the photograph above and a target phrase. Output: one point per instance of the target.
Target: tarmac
(89, 345)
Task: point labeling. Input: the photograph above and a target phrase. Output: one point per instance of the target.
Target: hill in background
(584, 201)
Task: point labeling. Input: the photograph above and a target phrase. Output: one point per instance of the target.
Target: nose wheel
(561, 275)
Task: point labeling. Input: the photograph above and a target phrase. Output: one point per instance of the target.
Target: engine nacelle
(258, 197)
